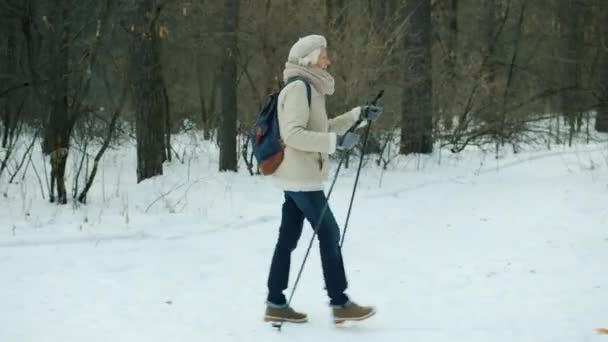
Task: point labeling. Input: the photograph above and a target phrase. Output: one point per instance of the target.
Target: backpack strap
(308, 89)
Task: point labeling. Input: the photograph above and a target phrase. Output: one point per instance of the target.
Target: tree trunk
(452, 55)
(7, 68)
(417, 118)
(502, 132)
(488, 28)
(57, 127)
(9, 75)
(453, 36)
(147, 89)
(201, 95)
(207, 89)
(601, 122)
(167, 124)
(228, 153)
(569, 13)
(487, 23)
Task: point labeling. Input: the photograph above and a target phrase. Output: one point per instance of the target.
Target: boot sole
(339, 321)
(283, 319)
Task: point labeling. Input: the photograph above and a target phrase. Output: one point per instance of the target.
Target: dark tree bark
(228, 152)
(167, 124)
(487, 24)
(9, 77)
(601, 123)
(452, 54)
(57, 129)
(417, 118)
(147, 88)
(207, 97)
(569, 13)
(452, 36)
(502, 132)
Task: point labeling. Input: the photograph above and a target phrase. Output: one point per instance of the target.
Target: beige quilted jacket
(309, 137)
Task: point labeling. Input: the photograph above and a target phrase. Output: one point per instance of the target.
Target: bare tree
(452, 36)
(487, 27)
(503, 128)
(207, 92)
(601, 123)
(60, 70)
(148, 87)
(8, 75)
(417, 118)
(228, 151)
(58, 126)
(570, 11)
(490, 79)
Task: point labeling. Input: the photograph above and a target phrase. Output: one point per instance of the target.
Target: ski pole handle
(378, 97)
(359, 121)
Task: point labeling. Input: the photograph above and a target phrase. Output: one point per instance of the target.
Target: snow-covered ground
(448, 247)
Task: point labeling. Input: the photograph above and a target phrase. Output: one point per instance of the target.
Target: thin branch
(82, 159)
(511, 72)
(163, 195)
(15, 137)
(111, 129)
(27, 152)
(38, 176)
(13, 88)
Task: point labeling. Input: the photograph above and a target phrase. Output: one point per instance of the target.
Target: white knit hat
(307, 49)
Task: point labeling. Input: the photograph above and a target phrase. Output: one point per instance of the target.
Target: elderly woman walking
(309, 137)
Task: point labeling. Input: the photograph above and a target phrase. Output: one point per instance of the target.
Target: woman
(309, 137)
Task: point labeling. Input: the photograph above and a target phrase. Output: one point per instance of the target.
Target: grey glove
(347, 141)
(371, 112)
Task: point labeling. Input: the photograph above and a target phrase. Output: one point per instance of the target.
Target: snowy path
(446, 254)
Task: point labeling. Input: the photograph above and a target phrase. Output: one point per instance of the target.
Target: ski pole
(352, 197)
(279, 325)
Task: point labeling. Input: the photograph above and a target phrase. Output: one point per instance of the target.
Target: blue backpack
(265, 135)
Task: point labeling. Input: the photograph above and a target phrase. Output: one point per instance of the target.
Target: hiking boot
(283, 313)
(352, 312)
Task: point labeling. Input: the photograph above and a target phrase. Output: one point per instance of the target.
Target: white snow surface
(448, 247)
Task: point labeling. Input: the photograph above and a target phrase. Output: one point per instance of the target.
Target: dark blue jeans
(297, 207)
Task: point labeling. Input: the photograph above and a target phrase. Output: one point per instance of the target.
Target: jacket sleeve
(293, 120)
(342, 123)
